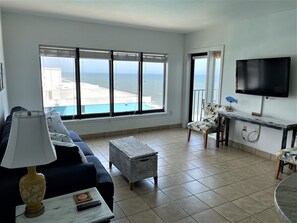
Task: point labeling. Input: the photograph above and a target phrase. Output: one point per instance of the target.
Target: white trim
(187, 77)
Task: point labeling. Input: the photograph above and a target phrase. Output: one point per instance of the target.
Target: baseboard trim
(252, 150)
(130, 131)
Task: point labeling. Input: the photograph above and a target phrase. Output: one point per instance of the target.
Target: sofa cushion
(78, 141)
(74, 136)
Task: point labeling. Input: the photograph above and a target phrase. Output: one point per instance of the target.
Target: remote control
(88, 205)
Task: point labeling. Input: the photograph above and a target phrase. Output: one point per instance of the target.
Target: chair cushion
(203, 126)
(288, 155)
(208, 124)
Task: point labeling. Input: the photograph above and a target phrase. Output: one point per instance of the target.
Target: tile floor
(194, 184)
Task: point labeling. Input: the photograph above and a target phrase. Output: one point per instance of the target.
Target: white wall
(3, 93)
(270, 36)
(23, 33)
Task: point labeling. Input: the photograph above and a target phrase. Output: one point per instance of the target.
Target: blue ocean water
(152, 83)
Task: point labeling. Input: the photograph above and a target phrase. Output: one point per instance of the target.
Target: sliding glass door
(205, 82)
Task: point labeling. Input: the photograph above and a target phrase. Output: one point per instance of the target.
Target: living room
(270, 35)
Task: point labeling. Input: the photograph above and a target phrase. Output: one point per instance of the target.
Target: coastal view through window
(100, 91)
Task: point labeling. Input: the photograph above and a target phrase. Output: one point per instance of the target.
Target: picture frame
(1, 76)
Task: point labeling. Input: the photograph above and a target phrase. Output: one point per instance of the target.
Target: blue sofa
(65, 175)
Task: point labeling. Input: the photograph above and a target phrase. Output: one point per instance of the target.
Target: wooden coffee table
(62, 209)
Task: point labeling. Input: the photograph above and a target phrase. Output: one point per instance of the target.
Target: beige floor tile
(242, 174)
(181, 178)
(217, 177)
(144, 186)
(264, 198)
(269, 216)
(133, 205)
(209, 216)
(197, 173)
(122, 220)
(195, 187)
(123, 193)
(165, 182)
(156, 198)
(231, 212)
(212, 182)
(170, 212)
(176, 192)
(229, 193)
(249, 205)
(245, 188)
(186, 220)
(169, 169)
(211, 170)
(259, 182)
(147, 216)
(211, 198)
(192, 205)
(117, 212)
(184, 166)
(120, 181)
(227, 177)
(250, 219)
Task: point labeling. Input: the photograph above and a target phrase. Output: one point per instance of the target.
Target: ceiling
(180, 16)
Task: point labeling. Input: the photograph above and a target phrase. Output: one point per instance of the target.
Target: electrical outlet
(257, 130)
(244, 128)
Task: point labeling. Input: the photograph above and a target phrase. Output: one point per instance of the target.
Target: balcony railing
(199, 102)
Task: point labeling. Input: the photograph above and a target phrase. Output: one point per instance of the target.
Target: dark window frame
(112, 113)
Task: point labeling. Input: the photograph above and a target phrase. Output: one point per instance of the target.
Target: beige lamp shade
(29, 142)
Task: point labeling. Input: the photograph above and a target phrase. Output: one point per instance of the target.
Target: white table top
(260, 120)
(62, 209)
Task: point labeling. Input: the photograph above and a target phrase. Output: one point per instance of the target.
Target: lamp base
(34, 212)
(32, 190)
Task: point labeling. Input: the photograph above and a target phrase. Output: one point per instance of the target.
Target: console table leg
(293, 137)
(218, 132)
(284, 139)
(156, 179)
(227, 132)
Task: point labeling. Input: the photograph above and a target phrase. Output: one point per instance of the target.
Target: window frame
(161, 57)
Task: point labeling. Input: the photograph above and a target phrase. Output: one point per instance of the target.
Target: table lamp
(29, 145)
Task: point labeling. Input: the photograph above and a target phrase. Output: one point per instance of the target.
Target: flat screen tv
(266, 77)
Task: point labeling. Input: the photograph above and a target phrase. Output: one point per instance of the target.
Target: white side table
(62, 209)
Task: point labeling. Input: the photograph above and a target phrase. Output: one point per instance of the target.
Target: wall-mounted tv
(267, 76)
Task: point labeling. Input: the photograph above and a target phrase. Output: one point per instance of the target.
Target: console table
(284, 126)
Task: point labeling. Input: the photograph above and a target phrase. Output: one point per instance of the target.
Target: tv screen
(267, 77)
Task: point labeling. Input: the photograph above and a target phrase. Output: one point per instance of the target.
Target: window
(58, 80)
(126, 79)
(153, 78)
(94, 81)
(81, 83)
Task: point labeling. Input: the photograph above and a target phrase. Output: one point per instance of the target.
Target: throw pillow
(55, 123)
(63, 148)
(60, 137)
